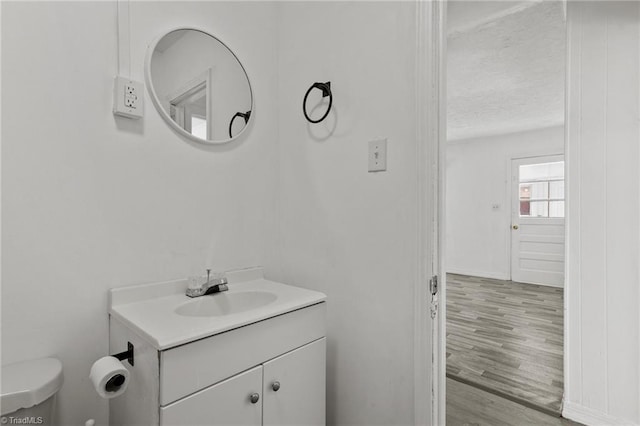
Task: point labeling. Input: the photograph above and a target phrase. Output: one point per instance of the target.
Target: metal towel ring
(326, 91)
(246, 117)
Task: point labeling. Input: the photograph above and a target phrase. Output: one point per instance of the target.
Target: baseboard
(504, 395)
(481, 274)
(494, 275)
(543, 284)
(591, 417)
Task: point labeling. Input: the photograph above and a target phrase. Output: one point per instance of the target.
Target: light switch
(378, 155)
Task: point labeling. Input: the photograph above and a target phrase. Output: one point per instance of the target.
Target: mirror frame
(165, 114)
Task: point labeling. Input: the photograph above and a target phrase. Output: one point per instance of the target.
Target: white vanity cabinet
(288, 390)
(265, 370)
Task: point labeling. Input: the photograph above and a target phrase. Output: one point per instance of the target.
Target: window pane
(556, 189)
(556, 209)
(199, 127)
(539, 190)
(542, 171)
(539, 209)
(539, 184)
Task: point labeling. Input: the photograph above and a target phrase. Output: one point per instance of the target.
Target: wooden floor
(507, 338)
(470, 406)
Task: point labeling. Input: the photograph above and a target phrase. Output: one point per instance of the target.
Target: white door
(294, 387)
(537, 220)
(235, 401)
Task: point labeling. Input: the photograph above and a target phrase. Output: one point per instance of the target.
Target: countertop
(149, 309)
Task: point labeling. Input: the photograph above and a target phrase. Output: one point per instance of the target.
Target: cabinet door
(226, 403)
(300, 397)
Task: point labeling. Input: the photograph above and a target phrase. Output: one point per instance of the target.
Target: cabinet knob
(275, 386)
(254, 398)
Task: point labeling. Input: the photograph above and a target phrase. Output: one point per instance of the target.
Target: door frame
(429, 353)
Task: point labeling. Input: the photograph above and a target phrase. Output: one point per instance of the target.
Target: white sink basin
(219, 304)
(165, 317)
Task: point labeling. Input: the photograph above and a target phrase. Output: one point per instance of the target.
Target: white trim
(439, 58)
(508, 216)
(204, 77)
(571, 284)
(429, 352)
(492, 275)
(476, 138)
(423, 378)
(545, 158)
(476, 273)
(182, 92)
(1, 165)
(591, 417)
(542, 284)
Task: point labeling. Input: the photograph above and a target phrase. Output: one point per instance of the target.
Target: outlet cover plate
(128, 97)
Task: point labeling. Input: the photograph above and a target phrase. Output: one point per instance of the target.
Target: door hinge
(433, 285)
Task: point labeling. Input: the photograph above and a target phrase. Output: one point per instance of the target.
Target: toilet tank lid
(27, 383)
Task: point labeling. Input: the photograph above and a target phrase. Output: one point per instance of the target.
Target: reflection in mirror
(198, 85)
(244, 116)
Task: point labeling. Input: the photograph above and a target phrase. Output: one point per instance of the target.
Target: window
(541, 190)
(199, 127)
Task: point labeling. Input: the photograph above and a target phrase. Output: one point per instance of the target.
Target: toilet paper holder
(128, 354)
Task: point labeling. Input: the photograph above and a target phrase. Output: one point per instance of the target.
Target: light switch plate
(378, 155)
(128, 97)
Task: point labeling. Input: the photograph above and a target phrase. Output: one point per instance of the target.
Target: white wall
(478, 175)
(603, 215)
(344, 231)
(91, 201)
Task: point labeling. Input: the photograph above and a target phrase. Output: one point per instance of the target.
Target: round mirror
(199, 86)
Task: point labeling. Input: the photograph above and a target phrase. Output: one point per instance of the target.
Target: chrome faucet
(211, 286)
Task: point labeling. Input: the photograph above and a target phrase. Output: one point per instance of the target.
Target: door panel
(542, 247)
(227, 403)
(300, 397)
(537, 242)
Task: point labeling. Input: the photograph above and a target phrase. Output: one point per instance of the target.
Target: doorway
(504, 212)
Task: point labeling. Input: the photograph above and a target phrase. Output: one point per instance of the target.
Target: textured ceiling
(505, 67)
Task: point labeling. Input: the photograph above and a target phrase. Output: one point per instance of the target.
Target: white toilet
(28, 391)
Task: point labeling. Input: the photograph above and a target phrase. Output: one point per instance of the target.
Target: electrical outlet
(378, 155)
(128, 97)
